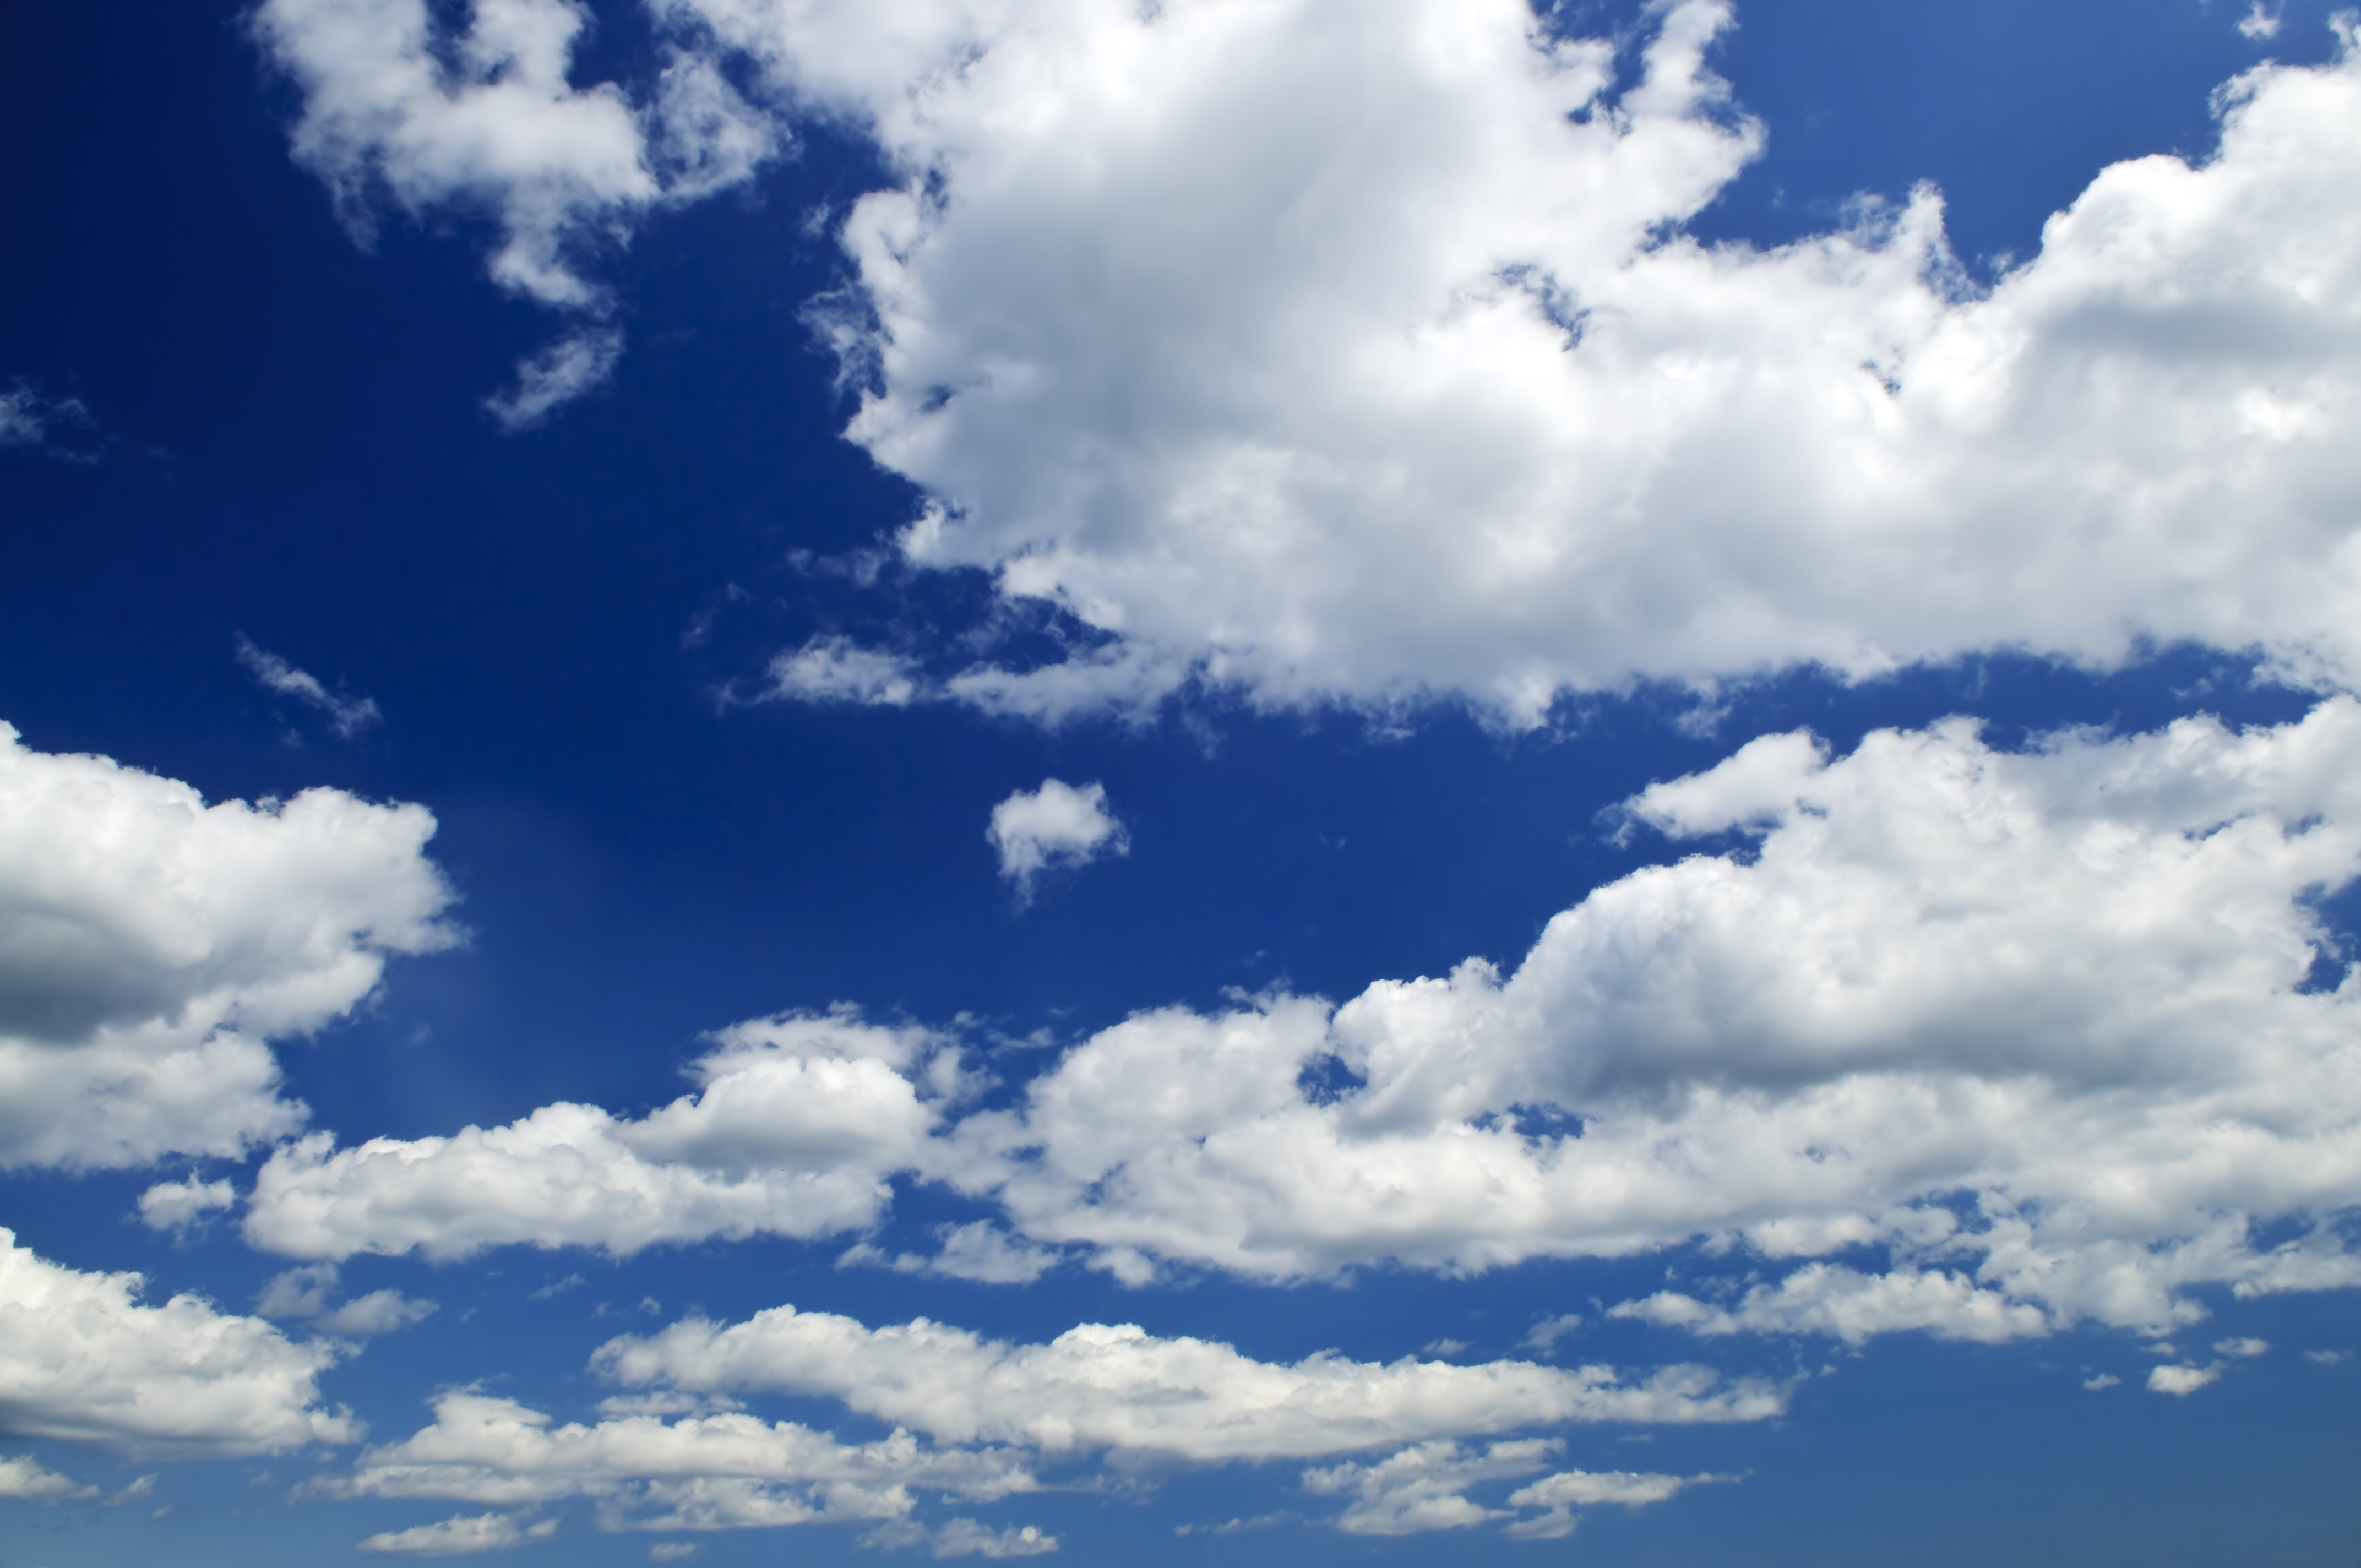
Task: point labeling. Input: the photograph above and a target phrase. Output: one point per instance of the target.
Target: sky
(1181, 780)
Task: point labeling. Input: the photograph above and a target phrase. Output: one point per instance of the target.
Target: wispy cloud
(348, 715)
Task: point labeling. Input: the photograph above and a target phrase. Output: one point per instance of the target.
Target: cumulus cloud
(1425, 1487)
(2043, 1027)
(150, 945)
(2182, 1381)
(458, 1537)
(1100, 1387)
(170, 1205)
(80, 1359)
(27, 1481)
(796, 1124)
(832, 670)
(1055, 827)
(1982, 1043)
(974, 1418)
(486, 119)
(348, 715)
(1317, 350)
(728, 1471)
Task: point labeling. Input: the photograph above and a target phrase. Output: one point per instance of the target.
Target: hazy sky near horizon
(1243, 779)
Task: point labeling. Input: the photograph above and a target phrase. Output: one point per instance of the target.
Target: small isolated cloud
(1543, 1336)
(58, 426)
(458, 1537)
(671, 1551)
(979, 1251)
(963, 1538)
(834, 670)
(304, 1293)
(169, 1205)
(2182, 1381)
(2242, 1347)
(2259, 23)
(27, 1481)
(557, 375)
(1054, 827)
(2328, 1357)
(2103, 1381)
(348, 715)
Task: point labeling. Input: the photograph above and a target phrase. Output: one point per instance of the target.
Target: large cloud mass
(80, 1358)
(2043, 1037)
(150, 944)
(1339, 350)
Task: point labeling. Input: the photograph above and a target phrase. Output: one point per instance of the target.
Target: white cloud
(1320, 350)
(58, 425)
(1423, 1489)
(458, 1537)
(671, 1551)
(169, 1205)
(2259, 23)
(831, 670)
(2101, 1381)
(2328, 1357)
(980, 1250)
(727, 1470)
(557, 375)
(150, 945)
(2182, 1381)
(2036, 1027)
(2242, 1348)
(963, 1538)
(1101, 1386)
(304, 1293)
(487, 120)
(27, 1481)
(1055, 827)
(348, 715)
(2036, 1024)
(796, 1124)
(80, 1359)
(1820, 1300)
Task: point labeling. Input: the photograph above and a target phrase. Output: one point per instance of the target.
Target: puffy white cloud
(2037, 1024)
(1055, 827)
(82, 1359)
(1425, 1487)
(150, 945)
(714, 1472)
(169, 1205)
(1317, 349)
(1819, 1298)
(27, 1481)
(458, 1537)
(487, 119)
(1100, 1387)
(2182, 1381)
(349, 716)
(797, 1123)
(1560, 1495)
(830, 669)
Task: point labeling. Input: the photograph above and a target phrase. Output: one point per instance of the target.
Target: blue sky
(1243, 779)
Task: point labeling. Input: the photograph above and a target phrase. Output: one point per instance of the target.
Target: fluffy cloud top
(1099, 1387)
(488, 120)
(150, 944)
(458, 1537)
(1053, 827)
(2041, 1026)
(2039, 1022)
(82, 1359)
(1322, 350)
(992, 1413)
(796, 1124)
